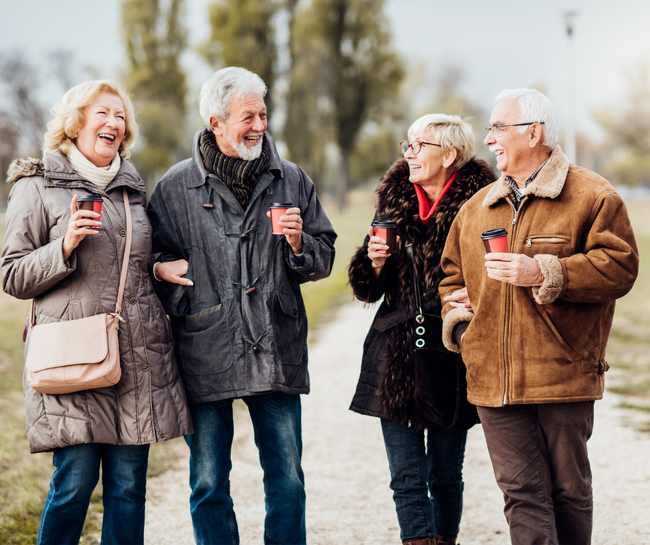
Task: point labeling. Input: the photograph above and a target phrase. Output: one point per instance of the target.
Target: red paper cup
(495, 240)
(90, 202)
(278, 209)
(386, 229)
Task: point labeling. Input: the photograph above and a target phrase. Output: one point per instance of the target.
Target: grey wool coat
(148, 404)
(242, 328)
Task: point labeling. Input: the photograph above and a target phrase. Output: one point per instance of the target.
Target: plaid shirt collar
(517, 193)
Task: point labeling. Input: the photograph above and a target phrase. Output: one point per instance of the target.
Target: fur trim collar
(548, 183)
(23, 168)
(396, 200)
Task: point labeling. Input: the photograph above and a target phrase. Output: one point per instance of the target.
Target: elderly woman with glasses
(422, 193)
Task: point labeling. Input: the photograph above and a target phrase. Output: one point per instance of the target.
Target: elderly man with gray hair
(230, 284)
(532, 319)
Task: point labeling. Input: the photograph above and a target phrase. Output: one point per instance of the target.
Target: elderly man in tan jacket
(533, 323)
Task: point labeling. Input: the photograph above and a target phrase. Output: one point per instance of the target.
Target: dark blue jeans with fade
(426, 472)
(276, 420)
(124, 475)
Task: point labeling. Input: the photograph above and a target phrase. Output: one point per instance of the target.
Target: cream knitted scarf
(100, 176)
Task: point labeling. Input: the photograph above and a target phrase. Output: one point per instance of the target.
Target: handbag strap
(127, 252)
(419, 317)
(125, 261)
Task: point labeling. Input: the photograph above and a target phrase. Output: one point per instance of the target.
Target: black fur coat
(387, 380)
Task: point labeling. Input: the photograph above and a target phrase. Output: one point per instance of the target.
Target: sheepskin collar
(548, 183)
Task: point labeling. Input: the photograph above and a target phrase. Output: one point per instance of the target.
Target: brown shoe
(425, 541)
(444, 540)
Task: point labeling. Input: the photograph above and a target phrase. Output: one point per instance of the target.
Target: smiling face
(511, 147)
(100, 136)
(242, 134)
(426, 168)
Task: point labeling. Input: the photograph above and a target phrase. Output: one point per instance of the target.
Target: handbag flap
(70, 342)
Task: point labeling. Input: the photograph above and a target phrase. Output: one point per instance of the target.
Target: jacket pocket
(204, 295)
(289, 328)
(558, 245)
(204, 342)
(555, 330)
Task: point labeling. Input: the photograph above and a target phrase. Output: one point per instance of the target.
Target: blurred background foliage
(340, 96)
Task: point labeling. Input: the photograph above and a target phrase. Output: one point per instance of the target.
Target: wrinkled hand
(517, 269)
(78, 227)
(459, 299)
(173, 272)
(291, 225)
(377, 258)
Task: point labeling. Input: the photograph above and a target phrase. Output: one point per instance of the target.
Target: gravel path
(348, 499)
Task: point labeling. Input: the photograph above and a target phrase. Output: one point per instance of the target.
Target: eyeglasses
(415, 146)
(496, 129)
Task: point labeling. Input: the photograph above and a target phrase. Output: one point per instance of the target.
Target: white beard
(244, 152)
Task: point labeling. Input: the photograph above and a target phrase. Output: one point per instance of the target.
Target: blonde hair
(450, 131)
(68, 116)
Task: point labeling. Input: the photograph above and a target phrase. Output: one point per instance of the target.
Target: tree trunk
(342, 188)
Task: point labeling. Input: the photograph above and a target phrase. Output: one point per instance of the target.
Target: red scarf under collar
(426, 208)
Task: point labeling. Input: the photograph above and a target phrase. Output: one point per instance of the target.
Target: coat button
(256, 348)
(311, 274)
(208, 206)
(122, 233)
(50, 182)
(250, 290)
(145, 367)
(245, 237)
(295, 312)
(133, 300)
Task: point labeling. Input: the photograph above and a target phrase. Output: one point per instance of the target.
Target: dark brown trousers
(539, 457)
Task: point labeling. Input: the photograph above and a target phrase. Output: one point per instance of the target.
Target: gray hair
(217, 93)
(534, 106)
(450, 131)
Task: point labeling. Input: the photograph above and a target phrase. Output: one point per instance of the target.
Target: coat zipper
(507, 302)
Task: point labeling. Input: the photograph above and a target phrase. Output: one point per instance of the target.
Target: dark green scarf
(239, 176)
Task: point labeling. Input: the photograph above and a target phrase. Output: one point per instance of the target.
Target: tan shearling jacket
(545, 344)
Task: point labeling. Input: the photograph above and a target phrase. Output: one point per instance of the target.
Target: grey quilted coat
(148, 404)
(242, 328)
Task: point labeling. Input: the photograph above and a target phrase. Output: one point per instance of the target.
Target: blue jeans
(427, 483)
(124, 478)
(276, 420)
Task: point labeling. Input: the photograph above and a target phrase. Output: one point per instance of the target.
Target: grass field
(629, 346)
(24, 478)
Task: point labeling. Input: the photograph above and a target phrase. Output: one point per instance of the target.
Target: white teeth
(107, 136)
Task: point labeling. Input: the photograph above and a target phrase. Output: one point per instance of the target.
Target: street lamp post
(570, 114)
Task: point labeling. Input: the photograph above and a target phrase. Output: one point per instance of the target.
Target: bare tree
(20, 81)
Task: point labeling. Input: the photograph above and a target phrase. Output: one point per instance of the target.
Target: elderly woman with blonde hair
(422, 193)
(68, 260)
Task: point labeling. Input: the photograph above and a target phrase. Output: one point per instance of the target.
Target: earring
(444, 165)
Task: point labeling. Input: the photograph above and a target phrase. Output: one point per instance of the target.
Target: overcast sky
(498, 44)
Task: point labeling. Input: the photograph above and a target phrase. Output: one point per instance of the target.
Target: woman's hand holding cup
(82, 223)
(377, 251)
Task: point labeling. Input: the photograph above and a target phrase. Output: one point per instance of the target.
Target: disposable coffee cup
(386, 229)
(278, 209)
(495, 240)
(90, 202)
